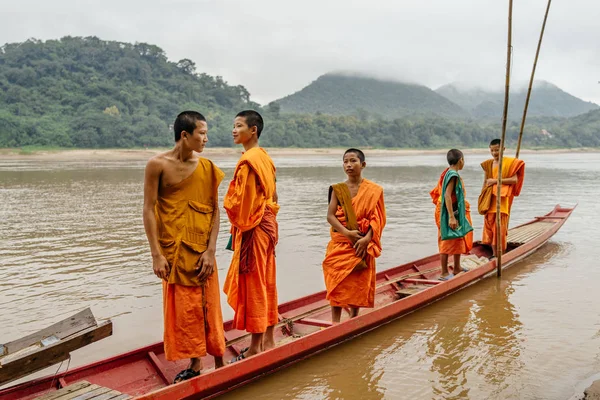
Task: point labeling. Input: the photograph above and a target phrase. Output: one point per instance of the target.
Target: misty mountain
(338, 94)
(546, 100)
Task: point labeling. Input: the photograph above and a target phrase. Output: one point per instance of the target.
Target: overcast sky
(276, 47)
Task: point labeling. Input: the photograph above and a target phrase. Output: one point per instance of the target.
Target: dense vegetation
(343, 95)
(546, 100)
(85, 92)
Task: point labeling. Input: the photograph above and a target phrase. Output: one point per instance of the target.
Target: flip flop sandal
(446, 278)
(240, 357)
(185, 375)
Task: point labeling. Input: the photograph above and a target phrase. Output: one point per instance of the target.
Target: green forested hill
(546, 100)
(336, 94)
(86, 92)
(90, 93)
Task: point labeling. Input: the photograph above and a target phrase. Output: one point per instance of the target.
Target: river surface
(71, 236)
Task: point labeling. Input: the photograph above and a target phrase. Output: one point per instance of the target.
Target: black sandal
(185, 375)
(240, 357)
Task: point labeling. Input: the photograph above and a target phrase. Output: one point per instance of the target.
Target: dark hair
(454, 156)
(252, 119)
(186, 121)
(360, 154)
(495, 142)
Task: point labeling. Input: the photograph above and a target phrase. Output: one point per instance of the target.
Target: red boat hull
(146, 374)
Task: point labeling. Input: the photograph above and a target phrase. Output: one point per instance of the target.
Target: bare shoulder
(157, 162)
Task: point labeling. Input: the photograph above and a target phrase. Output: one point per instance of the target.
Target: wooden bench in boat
(84, 391)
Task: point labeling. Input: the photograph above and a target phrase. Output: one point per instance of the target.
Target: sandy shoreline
(144, 154)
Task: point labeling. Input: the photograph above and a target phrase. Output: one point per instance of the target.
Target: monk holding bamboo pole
(513, 175)
(181, 219)
(251, 205)
(357, 216)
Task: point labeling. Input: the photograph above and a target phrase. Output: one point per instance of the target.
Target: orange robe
(487, 200)
(193, 323)
(452, 246)
(251, 284)
(347, 287)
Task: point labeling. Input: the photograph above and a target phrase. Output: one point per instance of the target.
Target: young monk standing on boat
(181, 218)
(513, 174)
(251, 205)
(356, 214)
(452, 215)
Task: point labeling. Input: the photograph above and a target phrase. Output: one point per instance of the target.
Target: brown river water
(71, 236)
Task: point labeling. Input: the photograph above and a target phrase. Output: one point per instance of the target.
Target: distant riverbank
(144, 154)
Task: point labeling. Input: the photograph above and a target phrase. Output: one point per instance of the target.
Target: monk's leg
(444, 259)
(219, 362)
(456, 268)
(269, 338)
(489, 231)
(256, 345)
(353, 312)
(336, 314)
(195, 364)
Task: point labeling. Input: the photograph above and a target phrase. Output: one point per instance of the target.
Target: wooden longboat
(305, 329)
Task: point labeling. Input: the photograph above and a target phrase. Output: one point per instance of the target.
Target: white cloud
(276, 47)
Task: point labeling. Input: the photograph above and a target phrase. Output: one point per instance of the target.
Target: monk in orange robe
(513, 175)
(448, 199)
(251, 205)
(356, 214)
(181, 219)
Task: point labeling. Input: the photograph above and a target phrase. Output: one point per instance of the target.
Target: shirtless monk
(251, 205)
(513, 174)
(449, 197)
(356, 214)
(181, 218)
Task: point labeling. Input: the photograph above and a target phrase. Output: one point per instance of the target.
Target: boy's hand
(161, 267)
(354, 236)
(452, 222)
(491, 182)
(361, 246)
(206, 265)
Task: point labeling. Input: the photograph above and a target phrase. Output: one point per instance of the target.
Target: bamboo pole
(499, 248)
(537, 54)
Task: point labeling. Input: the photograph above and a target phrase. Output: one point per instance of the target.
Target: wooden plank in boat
(64, 391)
(412, 289)
(67, 327)
(84, 391)
(54, 353)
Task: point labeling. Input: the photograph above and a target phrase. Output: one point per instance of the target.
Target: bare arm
(151, 183)
(448, 203)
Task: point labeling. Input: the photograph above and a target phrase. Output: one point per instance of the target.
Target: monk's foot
(446, 277)
(219, 362)
(268, 344)
(195, 364)
(244, 354)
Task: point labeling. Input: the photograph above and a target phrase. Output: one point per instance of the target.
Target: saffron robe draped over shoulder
(347, 285)
(487, 199)
(251, 285)
(452, 246)
(193, 323)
